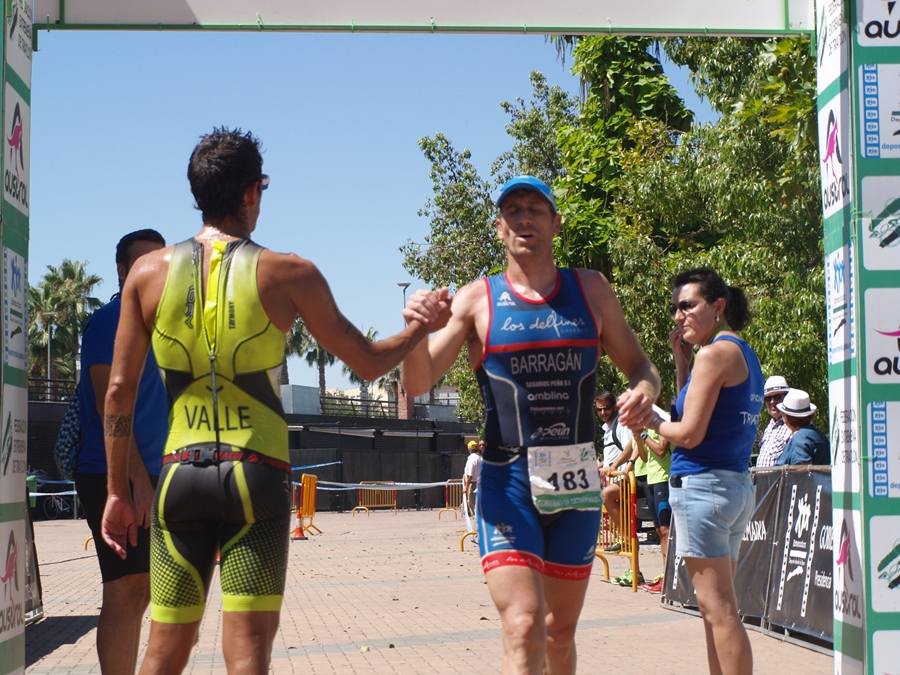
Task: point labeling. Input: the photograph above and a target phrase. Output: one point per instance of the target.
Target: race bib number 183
(564, 477)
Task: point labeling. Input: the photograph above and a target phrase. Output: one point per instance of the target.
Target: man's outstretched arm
(313, 300)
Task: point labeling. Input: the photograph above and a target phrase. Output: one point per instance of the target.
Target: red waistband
(206, 456)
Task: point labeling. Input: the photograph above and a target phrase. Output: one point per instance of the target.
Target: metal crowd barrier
(376, 497)
(453, 497)
(623, 533)
(308, 500)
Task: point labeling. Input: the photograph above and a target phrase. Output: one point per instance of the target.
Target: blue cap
(527, 183)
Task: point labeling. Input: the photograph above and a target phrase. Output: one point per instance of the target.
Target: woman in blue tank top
(710, 489)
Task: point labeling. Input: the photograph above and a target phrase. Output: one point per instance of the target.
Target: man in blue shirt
(126, 583)
(808, 445)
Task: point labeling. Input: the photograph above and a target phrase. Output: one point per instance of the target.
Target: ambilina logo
(13, 183)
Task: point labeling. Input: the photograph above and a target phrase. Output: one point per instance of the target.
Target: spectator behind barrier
(777, 433)
(808, 445)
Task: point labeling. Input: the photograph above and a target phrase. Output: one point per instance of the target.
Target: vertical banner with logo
(15, 100)
(859, 131)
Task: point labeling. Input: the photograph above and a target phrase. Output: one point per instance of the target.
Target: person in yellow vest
(216, 308)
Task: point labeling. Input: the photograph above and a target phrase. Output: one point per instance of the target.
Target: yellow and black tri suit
(225, 482)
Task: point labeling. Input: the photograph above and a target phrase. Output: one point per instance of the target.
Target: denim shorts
(711, 511)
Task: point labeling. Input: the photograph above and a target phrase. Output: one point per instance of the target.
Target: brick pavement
(389, 594)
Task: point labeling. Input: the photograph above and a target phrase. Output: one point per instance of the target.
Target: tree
(65, 291)
(318, 357)
(741, 196)
(358, 380)
(625, 84)
(296, 343)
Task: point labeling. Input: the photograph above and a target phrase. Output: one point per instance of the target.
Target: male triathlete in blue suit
(534, 336)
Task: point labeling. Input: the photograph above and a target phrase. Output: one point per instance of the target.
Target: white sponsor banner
(884, 544)
(879, 110)
(18, 39)
(885, 654)
(884, 445)
(844, 436)
(882, 307)
(846, 665)
(839, 304)
(16, 149)
(834, 146)
(12, 579)
(831, 42)
(696, 16)
(880, 226)
(847, 588)
(877, 23)
(15, 310)
(13, 440)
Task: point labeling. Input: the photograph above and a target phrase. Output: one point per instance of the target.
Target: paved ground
(390, 594)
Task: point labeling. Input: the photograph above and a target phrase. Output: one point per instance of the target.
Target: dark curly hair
(222, 166)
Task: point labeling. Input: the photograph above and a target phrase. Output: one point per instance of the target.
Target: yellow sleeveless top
(225, 336)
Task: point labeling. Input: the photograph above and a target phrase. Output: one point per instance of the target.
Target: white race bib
(564, 477)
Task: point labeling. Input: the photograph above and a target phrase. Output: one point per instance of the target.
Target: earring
(717, 318)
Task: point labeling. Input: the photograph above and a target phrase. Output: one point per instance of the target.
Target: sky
(115, 116)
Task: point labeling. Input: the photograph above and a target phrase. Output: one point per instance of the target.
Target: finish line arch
(856, 49)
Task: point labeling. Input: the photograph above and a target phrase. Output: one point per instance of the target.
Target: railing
(357, 407)
(54, 391)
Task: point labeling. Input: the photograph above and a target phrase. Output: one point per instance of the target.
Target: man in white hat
(777, 433)
(808, 445)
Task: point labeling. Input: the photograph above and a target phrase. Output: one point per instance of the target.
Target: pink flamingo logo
(832, 146)
(11, 573)
(844, 555)
(15, 139)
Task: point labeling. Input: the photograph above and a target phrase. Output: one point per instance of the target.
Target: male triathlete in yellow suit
(217, 308)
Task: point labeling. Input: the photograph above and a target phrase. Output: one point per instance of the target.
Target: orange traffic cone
(298, 531)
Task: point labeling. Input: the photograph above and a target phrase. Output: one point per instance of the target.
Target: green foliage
(625, 83)
(740, 196)
(66, 292)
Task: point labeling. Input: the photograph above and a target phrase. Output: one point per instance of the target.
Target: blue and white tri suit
(538, 378)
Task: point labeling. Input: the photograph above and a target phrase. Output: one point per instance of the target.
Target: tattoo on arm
(118, 425)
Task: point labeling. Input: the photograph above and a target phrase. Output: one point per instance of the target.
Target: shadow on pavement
(51, 633)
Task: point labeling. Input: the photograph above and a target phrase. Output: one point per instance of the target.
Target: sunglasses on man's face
(774, 398)
(603, 408)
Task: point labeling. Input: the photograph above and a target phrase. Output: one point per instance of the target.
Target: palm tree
(371, 334)
(65, 291)
(391, 382)
(319, 357)
(296, 342)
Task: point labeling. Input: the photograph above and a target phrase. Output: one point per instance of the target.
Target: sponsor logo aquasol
(880, 23)
(13, 182)
(505, 300)
(12, 614)
(846, 602)
(888, 365)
